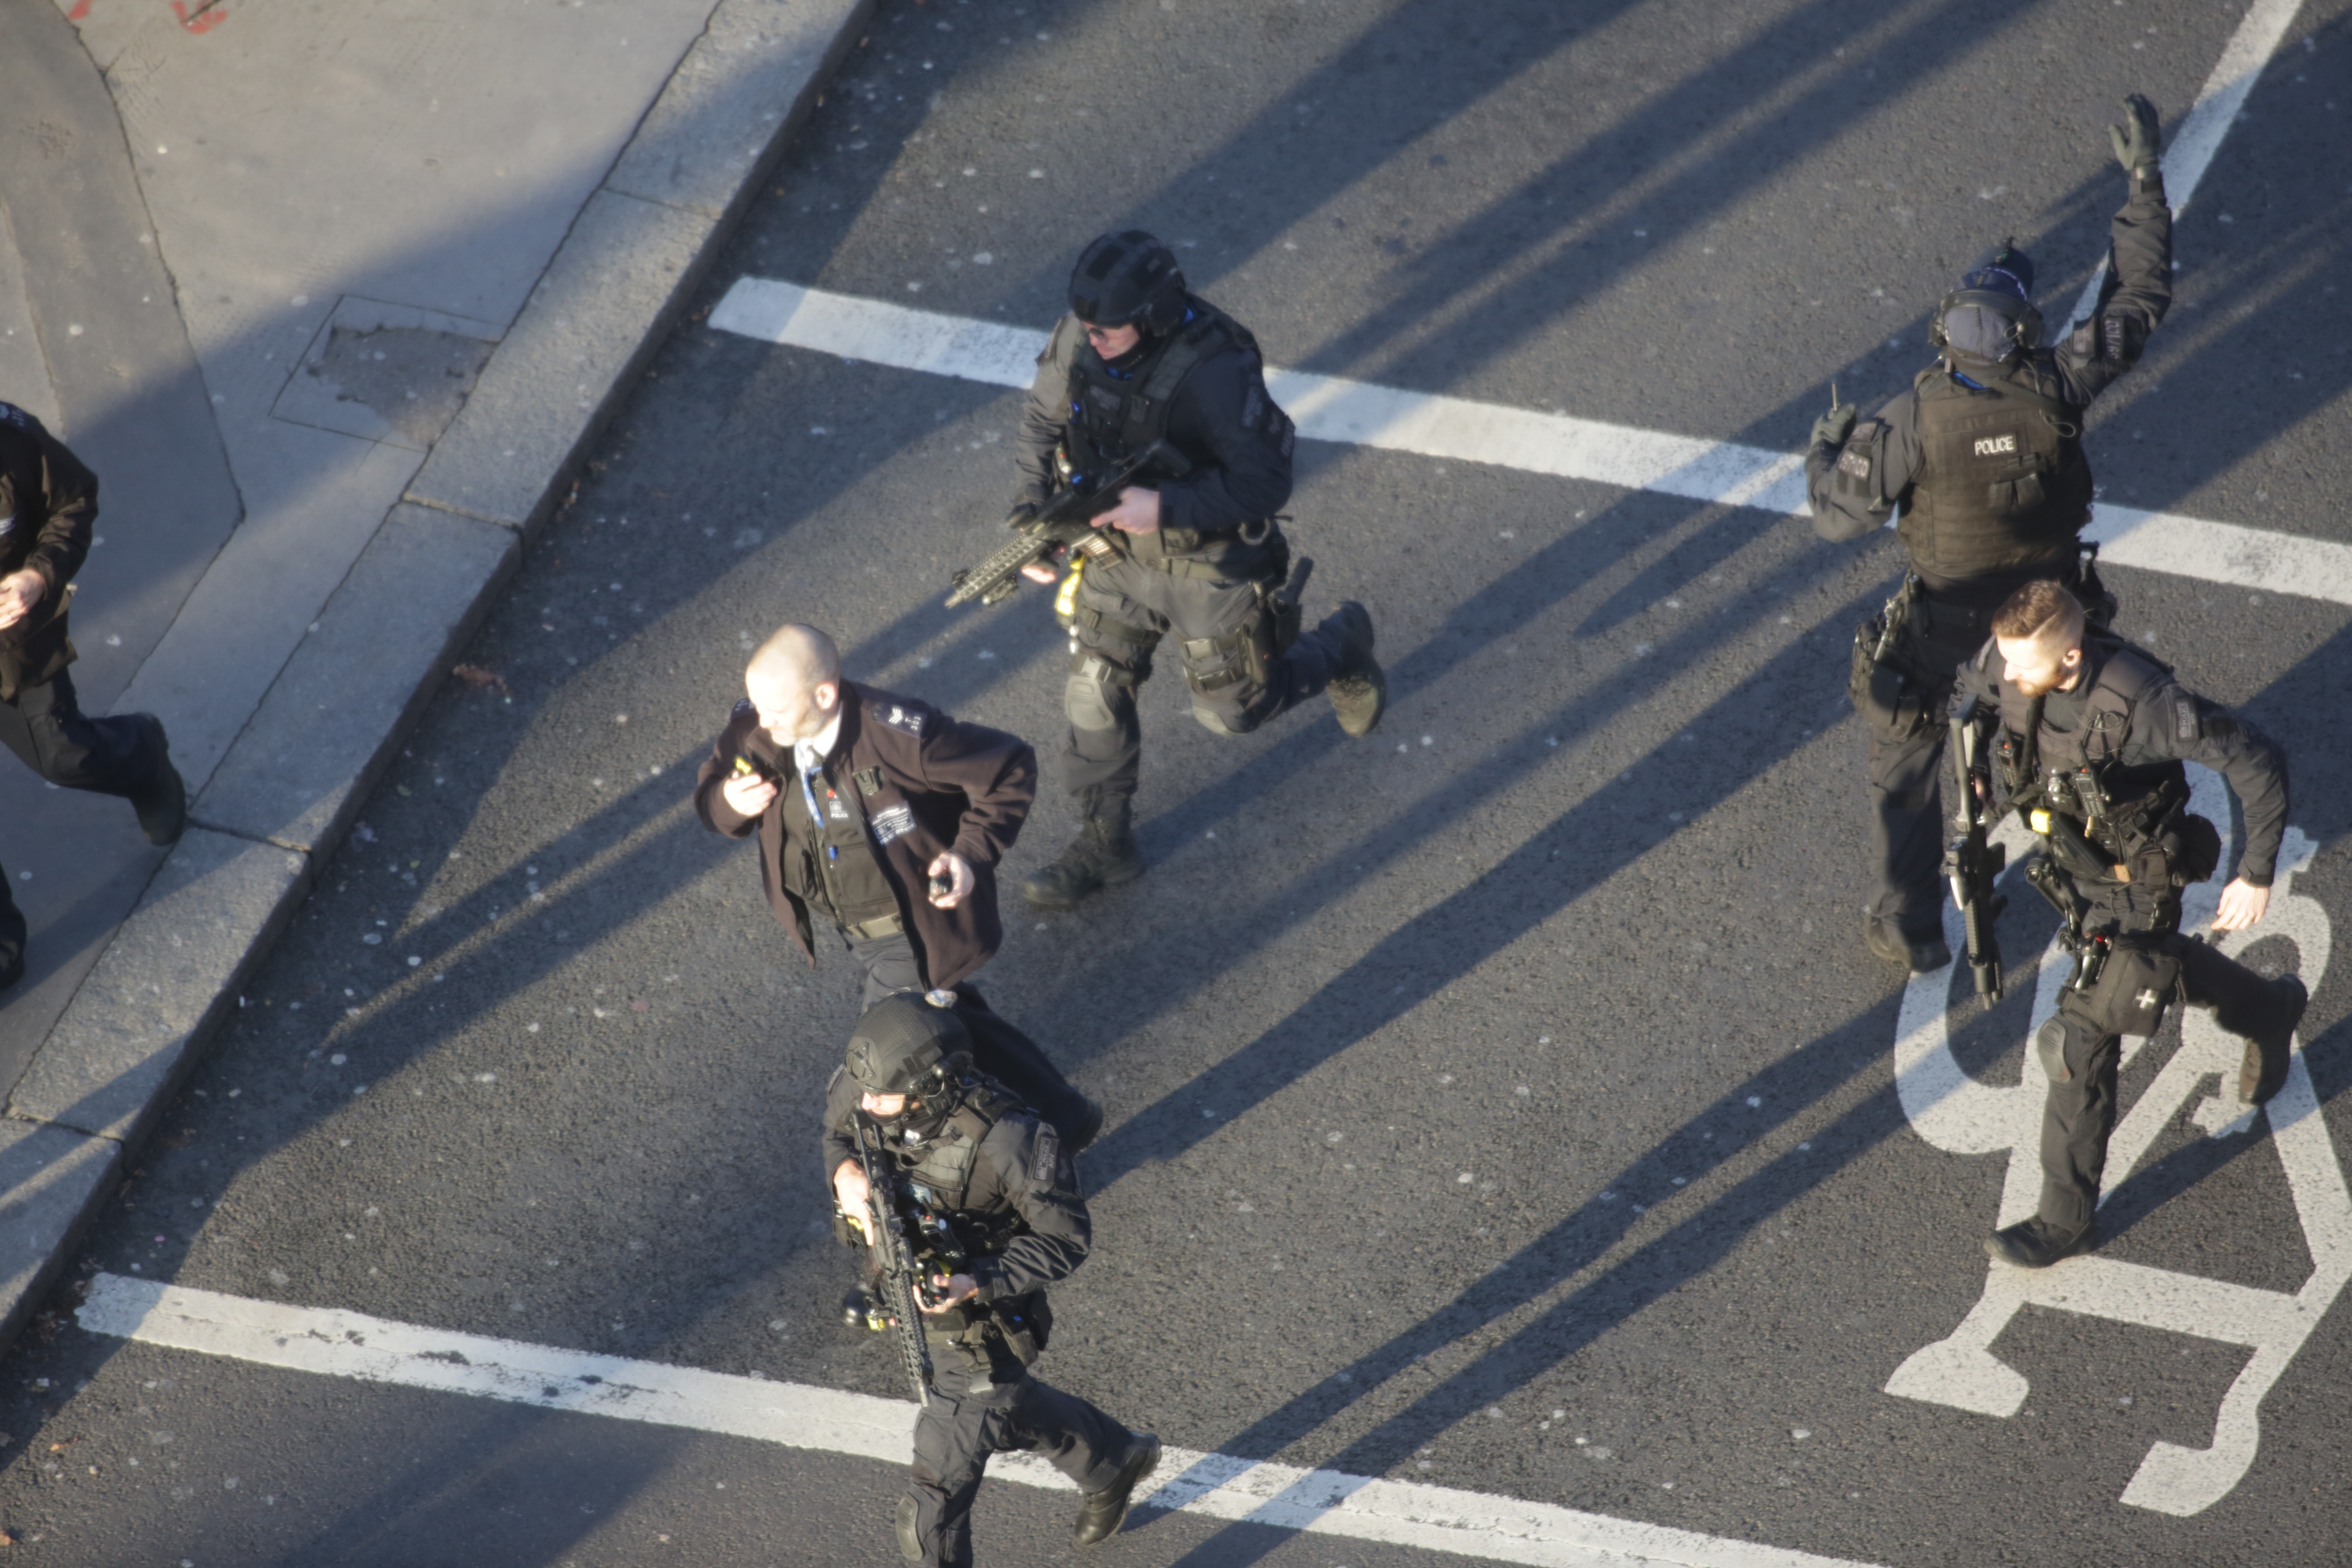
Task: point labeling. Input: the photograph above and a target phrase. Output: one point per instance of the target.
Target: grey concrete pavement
(259, 268)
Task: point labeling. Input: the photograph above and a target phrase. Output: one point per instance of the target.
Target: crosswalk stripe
(1356, 413)
(332, 1343)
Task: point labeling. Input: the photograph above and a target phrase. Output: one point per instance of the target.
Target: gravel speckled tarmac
(1504, 1101)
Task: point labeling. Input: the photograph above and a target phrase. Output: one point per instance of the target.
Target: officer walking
(977, 1162)
(886, 818)
(47, 502)
(2092, 733)
(1139, 359)
(1982, 458)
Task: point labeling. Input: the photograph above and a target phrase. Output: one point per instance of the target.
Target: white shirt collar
(808, 754)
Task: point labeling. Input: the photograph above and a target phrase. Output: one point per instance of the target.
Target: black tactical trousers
(974, 1414)
(1906, 766)
(1102, 750)
(46, 726)
(998, 1048)
(2079, 1115)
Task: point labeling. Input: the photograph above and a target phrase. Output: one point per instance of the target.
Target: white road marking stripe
(375, 1350)
(2189, 151)
(1356, 413)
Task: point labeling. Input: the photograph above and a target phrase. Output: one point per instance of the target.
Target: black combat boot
(1103, 855)
(1358, 690)
(1103, 1512)
(2037, 1244)
(1920, 957)
(162, 802)
(2262, 1073)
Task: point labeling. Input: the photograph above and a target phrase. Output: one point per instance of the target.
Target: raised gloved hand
(2138, 139)
(1834, 426)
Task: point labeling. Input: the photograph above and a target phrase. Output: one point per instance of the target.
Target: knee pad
(910, 1540)
(2050, 1046)
(1096, 691)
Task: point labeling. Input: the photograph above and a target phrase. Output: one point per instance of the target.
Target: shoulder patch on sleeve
(898, 716)
(1046, 1169)
(2184, 716)
(15, 415)
(742, 708)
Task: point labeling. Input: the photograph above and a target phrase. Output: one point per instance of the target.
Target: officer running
(48, 501)
(975, 1159)
(886, 818)
(2092, 733)
(1983, 460)
(1139, 359)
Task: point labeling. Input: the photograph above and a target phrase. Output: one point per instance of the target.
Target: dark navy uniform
(48, 501)
(1981, 463)
(1001, 1179)
(2097, 770)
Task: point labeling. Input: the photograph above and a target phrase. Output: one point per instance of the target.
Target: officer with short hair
(1982, 461)
(886, 817)
(977, 1162)
(48, 501)
(1139, 359)
(2090, 736)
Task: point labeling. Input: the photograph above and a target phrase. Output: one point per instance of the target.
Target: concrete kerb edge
(65, 1230)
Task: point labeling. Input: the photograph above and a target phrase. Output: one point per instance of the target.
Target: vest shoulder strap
(2124, 679)
(1209, 332)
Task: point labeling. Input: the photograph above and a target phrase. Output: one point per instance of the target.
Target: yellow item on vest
(2040, 821)
(1065, 597)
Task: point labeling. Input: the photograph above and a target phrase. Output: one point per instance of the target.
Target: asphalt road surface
(1504, 1103)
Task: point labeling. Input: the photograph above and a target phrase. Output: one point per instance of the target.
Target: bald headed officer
(884, 818)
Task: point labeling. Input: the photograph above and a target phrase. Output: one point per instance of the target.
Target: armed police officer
(1982, 461)
(1139, 360)
(995, 1198)
(2088, 737)
(886, 819)
(48, 501)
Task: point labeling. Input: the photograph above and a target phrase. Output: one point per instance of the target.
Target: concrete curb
(283, 798)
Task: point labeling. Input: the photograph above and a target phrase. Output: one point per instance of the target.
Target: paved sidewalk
(332, 298)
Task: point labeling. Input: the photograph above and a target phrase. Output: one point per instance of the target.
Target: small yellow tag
(2040, 821)
(1065, 598)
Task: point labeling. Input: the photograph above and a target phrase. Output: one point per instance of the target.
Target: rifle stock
(1065, 522)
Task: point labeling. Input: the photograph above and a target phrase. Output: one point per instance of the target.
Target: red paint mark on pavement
(203, 19)
(81, 9)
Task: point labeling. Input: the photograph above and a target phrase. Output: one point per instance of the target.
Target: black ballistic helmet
(1128, 279)
(906, 1046)
(1990, 317)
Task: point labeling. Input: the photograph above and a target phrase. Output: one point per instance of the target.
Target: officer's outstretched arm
(1855, 486)
(2138, 289)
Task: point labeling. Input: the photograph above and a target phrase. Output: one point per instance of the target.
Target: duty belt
(880, 925)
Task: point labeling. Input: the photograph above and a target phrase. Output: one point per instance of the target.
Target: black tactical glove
(1832, 429)
(2138, 139)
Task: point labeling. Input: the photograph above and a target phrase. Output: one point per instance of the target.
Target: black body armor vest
(838, 869)
(1113, 416)
(940, 1170)
(2078, 774)
(2004, 485)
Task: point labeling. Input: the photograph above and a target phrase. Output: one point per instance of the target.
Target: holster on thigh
(1246, 654)
(1898, 696)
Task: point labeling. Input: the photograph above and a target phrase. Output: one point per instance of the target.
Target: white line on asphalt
(1330, 408)
(2198, 135)
(1360, 1507)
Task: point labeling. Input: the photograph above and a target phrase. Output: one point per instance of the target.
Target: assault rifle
(1973, 862)
(893, 1235)
(1065, 522)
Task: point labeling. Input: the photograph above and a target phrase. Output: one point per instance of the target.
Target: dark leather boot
(1884, 941)
(1359, 690)
(1102, 855)
(2262, 1073)
(1103, 1512)
(163, 802)
(2037, 1244)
